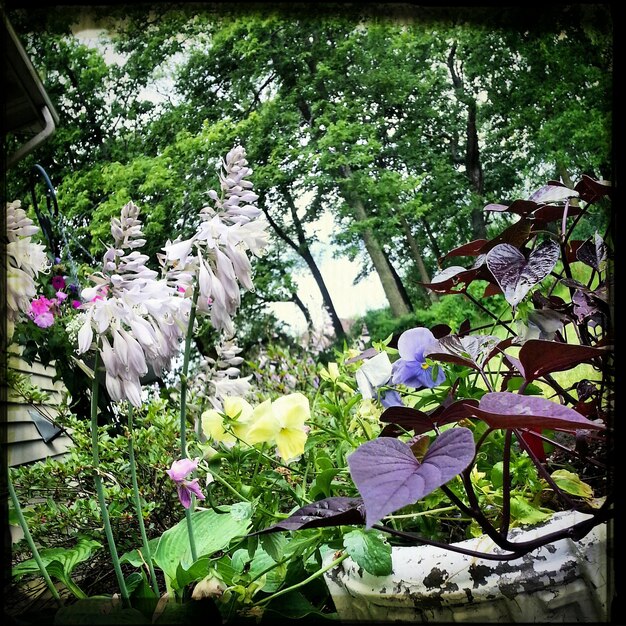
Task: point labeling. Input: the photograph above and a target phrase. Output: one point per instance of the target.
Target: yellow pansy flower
(281, 422)
(238, 414)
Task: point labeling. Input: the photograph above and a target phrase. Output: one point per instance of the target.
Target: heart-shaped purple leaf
(389, 477)
(556, 192)
(503, 409)
(419, 422)
(337, 511)
(593, 252)
(515, 274)
(539, 357)
(591, 190)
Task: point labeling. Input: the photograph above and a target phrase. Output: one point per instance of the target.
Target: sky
(350, 300)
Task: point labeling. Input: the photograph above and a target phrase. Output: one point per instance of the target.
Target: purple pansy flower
(411, 368)
(389, 398)
(178, 472)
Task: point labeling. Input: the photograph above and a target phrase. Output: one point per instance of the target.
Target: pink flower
(58, 282)
(44, 320)
(76, 303)
(178, 472)
(40, 311)
(61, 295)
(40, 305)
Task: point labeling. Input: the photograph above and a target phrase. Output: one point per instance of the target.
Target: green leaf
(572, 484)
(60, 563)
(369, 551)
(525, 513)
(212, 532)
(294, 605)
(321, 485)
(274, 545)
(197, 571)
(274, 574)
(497, 475)
(134, 557)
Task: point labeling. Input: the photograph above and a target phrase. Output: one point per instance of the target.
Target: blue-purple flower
(179, 472)
(389, 398)
(411, 369)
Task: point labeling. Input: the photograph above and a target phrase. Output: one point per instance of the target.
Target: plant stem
(100, 489)
(137, 499)
(30, 542)
(506, 484)
(183, 416)
(306, 581)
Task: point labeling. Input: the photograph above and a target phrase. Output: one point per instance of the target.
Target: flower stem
(183, 416)
(100, 489)
(30, 542)
(133, 476)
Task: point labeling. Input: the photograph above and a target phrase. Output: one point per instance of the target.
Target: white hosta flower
(25, 261)
(217, 254)
(138, 319)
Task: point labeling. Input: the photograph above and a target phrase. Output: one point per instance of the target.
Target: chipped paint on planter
(561, 582)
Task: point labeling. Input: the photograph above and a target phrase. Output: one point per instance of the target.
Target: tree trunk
(303, 250)
(397, 303)
(473, 166)
(417, 257)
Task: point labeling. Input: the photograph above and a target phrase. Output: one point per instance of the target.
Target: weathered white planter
(566, 581)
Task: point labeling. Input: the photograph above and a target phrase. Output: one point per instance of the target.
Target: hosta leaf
(328, 512)
(212, 532)
(515, 274)
(60, 563)
(369, 551)
(503, 409)
(389, 477)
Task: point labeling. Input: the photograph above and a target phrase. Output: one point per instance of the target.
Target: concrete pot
(564, 582)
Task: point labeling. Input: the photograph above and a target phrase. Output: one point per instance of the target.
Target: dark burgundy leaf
(335, 511)
(420, 422)
(571, 248)
(464, 328)
(503, 409)
(593, 252)
(469, 249)
(591, 190)
(552, 213)
(519, 207)
(586, 389)
(515, 274)
(467, 350)
(554, 192)
(440, 330)
(492, 289)
(445, 280)
(515, 235)
(392, 430)
(583, 306)
(539, 357)
(389, 477)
